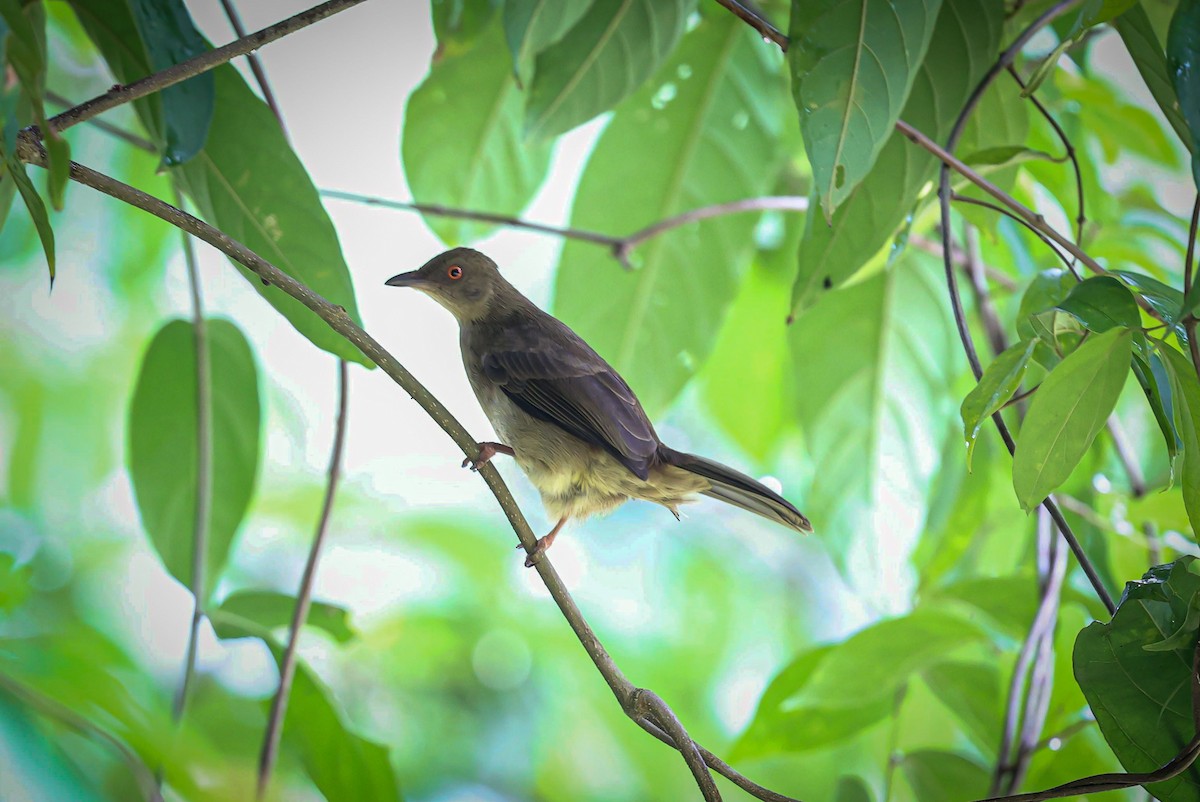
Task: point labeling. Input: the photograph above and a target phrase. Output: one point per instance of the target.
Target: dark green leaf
(485, 165)
(852, 789)
(1163, 299)
(853, 63)
(170, 37)
(1183, 66)
(531, 26)
(1138, 35)
(1101, 303)
(656, 324)
(1067, 412)
(1185, 393)
(457, 24)
(37, 210)
(1045, 292)
(996, 387)
(1156, 384)
(937, 775)
(249, 183)
(345, 767)
(1005, 156)
(272, 610)
(1142, 699)
(972, 691)
(967, 35)
(607, 55)
(163, 443)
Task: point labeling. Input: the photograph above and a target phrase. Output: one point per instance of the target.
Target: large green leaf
(831, 692)
(484, 165)
(853, 63)
(607, 55)
(170, 37)
(1183, 65)
(967, 36)
(1138, 35)
(531, 26)
(876, 405)
(934, 774)
(249, 183)
(1185, 395)
(716, 140)
(1101, 303)
(1141, 697)
(996, 387)
(1067, 412)
(163, 444)
(346, 767)
(972, 691)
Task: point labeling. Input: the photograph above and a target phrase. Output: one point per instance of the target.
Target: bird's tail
(738, 489)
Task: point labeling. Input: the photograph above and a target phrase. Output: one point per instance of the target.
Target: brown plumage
(569, 420)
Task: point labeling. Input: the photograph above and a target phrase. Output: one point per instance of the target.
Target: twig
(139, 142)
(768, 31)
(1080, 214)
(957, 198)
(203, 475)
(31, 152)
(54, 709)
(260, 75)
(287, 666)
(196, 65)
(1189, 321)
(649, 705)
(621, 247)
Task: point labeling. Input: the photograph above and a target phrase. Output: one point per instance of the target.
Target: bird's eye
(455, 272)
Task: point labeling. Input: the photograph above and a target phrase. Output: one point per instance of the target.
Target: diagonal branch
(119, 95)
(30, 151)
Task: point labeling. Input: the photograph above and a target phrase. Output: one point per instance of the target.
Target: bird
(567, 418)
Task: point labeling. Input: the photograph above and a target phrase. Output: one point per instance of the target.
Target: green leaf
(1138, 35)
(853, 63)
(777, 728)
(1185, 636)
(1035, 316)
(1006, 156)
(874, 662)
(458, 24)
(996, 387)
(14, 583)
(249, 183)
(531, 26)
(1153, 377)
(1067, 412)
(967, 36)
(485, 165)
(344, 766)
(37, 210)
(1142, 699)
(1183, 65)
(1101, 303)
(873, 444)
(1185, 393)
(972, 692)
(852, 789)
(600, 61)
(271, 610)
(934, 774)
(1162, 298)
(656, 324)
(163, 443)
(170, 37)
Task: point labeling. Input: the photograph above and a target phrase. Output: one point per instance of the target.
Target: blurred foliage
(878, 660)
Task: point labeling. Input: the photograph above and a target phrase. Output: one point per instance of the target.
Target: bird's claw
(536, 553)
(486, 452)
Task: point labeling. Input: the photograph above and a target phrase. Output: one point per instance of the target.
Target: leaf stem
(1189, 266)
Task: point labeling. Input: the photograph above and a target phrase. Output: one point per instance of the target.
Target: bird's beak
(410, 279)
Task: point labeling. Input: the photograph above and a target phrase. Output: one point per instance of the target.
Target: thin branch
(204, 62)
(260, 75)
(1080, 213)
(52, 708)
(204, 476)
(649, 705)
(1189, 266)
(768, 31)
(287, 666)
(957, 198)
(139, 142)
(339, 320)
(1129, 461)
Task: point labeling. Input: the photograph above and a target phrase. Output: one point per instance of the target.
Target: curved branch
(256, 67)
(196, 65)
(31, 151)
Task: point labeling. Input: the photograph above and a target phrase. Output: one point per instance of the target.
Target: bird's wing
(568, 385)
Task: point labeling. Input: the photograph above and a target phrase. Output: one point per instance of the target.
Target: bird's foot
(543, 543)
(486, 452)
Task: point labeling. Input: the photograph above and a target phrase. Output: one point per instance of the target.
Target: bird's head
(463, 280)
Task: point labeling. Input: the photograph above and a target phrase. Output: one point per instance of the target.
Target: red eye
(455, 272)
